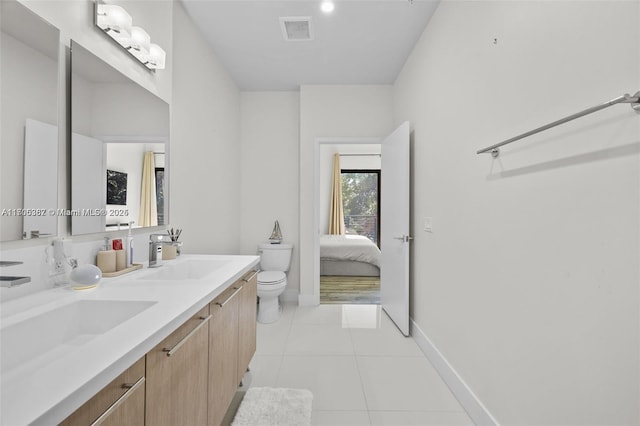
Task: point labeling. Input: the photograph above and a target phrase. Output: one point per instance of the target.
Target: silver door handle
(237, 289)
(404, 238)
(171, 351)
(246, 280)
(130, 390)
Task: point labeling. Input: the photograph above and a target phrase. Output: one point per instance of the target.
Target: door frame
(316, 200)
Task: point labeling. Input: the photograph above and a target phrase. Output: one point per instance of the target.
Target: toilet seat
(271, 277)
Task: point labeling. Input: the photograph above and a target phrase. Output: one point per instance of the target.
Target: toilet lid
(271, 277)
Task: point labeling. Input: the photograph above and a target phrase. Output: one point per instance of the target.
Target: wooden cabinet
(191, 377)
(120, 403)
(223, 353)
(177, 375)
(232, 343)
(247, 313)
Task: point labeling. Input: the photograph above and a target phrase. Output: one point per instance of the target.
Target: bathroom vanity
(160, 346)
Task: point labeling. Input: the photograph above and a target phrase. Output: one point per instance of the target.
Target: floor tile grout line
(284, 348)
(364, 394)
(286, 332)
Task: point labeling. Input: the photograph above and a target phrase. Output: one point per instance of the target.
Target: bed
(349, 255)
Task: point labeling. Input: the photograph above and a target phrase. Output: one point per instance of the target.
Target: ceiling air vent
(297, 28)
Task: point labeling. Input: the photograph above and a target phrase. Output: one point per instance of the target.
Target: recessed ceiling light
(327, 6)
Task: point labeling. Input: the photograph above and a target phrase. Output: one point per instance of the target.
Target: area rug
(274, 406)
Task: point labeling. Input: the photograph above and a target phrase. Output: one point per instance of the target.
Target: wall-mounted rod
(360, 155)
(624, 99)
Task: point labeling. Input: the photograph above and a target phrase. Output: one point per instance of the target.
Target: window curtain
(336, 215)
(148, 210)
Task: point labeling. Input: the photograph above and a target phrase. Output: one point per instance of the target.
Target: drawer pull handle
(237, 289)
(131, 388)
(184, 340)
(246, 280)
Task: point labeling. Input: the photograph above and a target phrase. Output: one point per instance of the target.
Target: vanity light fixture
(117, 24)
(140, 42)
(156, 58)
(114, 20)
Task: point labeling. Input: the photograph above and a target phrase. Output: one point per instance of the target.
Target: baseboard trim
(307, 300)
(463, 393)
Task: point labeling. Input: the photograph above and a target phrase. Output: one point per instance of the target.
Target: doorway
(394, 236)
(349, 264)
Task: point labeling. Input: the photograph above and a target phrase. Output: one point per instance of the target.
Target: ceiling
(360, 42)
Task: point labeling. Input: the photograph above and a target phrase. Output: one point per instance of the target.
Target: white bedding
(349, 247)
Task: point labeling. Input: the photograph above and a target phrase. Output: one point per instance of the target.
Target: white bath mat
(274, 406)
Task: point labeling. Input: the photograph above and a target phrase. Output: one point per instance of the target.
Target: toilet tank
(275, 257)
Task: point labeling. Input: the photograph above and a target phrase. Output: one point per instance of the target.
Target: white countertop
(47, 390)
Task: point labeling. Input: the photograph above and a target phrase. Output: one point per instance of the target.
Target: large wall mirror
(119, 149)
(29, 52)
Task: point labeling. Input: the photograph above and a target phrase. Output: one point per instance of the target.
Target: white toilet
(272, 279)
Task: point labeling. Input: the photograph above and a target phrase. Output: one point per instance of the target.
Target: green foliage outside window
(360, 202)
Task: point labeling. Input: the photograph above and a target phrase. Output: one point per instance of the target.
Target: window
(361, 202)
(160, 194)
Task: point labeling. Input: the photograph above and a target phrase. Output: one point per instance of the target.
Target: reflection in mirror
(29, 49)
(119, 145)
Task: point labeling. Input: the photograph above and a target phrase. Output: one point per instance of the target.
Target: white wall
(528, 284)
(332, 112)
(142, 115)
(205, 166)
(269, 173)
(346, 162)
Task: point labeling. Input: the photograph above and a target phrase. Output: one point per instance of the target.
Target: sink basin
(188, 270)
(55, 332)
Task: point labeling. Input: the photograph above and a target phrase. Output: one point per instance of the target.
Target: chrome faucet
(155, 250)
(33, 234)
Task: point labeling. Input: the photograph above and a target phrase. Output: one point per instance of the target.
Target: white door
(394, 227)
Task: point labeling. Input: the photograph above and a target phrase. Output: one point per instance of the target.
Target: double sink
(67, 327)
(31, 341)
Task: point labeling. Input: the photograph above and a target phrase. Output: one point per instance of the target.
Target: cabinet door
(223, 353)
(247, 322)
(177, 375)
(120, 403)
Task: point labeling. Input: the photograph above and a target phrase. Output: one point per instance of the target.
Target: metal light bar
(114, 21)
(624, 99)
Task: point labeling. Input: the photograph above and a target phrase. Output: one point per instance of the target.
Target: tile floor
(360, 368)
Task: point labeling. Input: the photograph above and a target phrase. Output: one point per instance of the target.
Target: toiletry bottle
(129, 247)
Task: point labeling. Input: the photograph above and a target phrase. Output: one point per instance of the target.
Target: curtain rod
(626, 98)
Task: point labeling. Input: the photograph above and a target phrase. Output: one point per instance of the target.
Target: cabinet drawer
(121, 402)
(177, 375)
(223, 353)
(247, 314)
(181, 335)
